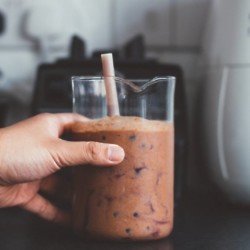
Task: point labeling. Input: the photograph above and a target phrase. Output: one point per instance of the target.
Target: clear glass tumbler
(133, 200)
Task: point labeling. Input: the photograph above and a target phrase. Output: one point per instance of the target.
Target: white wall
(172, 28)
(40, 30)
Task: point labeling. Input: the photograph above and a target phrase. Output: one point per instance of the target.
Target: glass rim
(95, 78)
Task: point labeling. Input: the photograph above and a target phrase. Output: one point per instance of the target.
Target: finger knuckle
(45, 116)
(94, 151)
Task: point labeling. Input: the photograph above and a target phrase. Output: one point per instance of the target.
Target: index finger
(66, 120)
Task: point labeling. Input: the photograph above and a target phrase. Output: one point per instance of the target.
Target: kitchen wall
(37, 31)
(40, 31)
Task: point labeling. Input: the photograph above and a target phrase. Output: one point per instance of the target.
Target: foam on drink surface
(120, 123)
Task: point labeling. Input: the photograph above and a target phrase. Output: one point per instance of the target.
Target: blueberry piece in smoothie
(135, 214)
(156, 234)
(115, 214)
(132, 137)
(139, 169)
(143, 145)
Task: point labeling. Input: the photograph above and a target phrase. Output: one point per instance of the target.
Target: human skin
(32, 150)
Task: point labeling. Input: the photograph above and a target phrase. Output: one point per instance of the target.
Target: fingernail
(115, 153)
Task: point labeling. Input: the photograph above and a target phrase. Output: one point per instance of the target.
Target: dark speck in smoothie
(104, 138)
(119, 175)
(159, 175)
(151, 146)
(127, 230)
(161, 222)
(132, 138)
(139, 169)
(143, 145)
(148, 228)
(115, 214)
(156, 234)
(135, 214)
(109, 198)
(151, 206)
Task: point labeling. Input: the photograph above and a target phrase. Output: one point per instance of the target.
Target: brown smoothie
(133, 200)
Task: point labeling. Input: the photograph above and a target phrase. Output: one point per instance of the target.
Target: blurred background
(204, 43)
(35, 32)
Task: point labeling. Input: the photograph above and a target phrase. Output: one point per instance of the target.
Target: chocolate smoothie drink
(133, 200)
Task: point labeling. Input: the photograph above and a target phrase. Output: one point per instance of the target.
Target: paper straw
(110, 86)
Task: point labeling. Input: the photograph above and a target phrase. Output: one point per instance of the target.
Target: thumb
(75, 153)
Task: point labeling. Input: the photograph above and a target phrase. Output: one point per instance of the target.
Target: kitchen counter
(201, 222)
